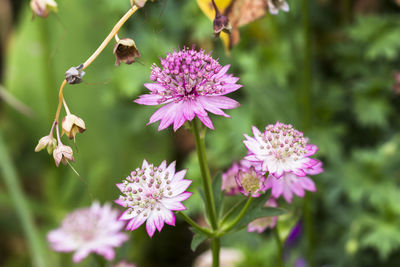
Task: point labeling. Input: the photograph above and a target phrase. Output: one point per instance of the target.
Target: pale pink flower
(259, 225)
(250, 181)
(275, 5)
(289, 184)
(280, 149)
(152, 193)
(93, 229)
(190, 83)
(229, 184)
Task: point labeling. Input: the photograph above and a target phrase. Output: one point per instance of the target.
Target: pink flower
(229, 184)
(259, 225)
(189, 83)
(250, 181)
(93, 229)
(289, 184)
(152, 193)
(281, 149)
(124, 264)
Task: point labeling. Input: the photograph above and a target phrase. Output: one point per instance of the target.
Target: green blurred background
(327, 67)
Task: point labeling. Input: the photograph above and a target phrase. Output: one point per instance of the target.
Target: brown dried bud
(48, 142)
(74, 75)
(125, 51)
(221, 23)
(62, 153)
(71, 125)
(42, 8)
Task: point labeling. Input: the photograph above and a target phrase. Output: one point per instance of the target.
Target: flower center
(187, 74)
(250, 182)
(284, 142)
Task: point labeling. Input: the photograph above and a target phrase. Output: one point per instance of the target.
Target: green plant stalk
(209, 196)
(279, 246)
(205, 174)
(215, 246)
(238, 218)
(194, 224)
(11, 182)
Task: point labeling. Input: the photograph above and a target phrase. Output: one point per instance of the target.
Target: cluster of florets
(190, 83)
(93, 229)
(279, 149)
(151, 193)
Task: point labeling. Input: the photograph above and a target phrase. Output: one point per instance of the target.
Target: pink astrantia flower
(151, 193)
(259, 225)
(280, 149)
(190, 83)
(93, 229)
(290, 184)
(229, 184)
(250, 181)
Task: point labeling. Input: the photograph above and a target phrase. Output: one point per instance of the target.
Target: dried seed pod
(74, 75)
(125, 50)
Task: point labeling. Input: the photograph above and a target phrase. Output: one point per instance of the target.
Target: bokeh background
(327, 67)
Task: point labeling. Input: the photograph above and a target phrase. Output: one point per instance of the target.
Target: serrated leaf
(198, 238)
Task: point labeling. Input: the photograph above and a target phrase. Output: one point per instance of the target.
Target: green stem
(309, 230)
(194, 224)
(205, 174)
(238, 218)
(215, 245)
(11, 182)
(279, 245)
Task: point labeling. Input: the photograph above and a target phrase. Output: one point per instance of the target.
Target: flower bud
(139, 3)
(42, 8)
(74, 75)
(62, 153)
(48, 142)
(125, 51)
(71, 125)
(221, 23)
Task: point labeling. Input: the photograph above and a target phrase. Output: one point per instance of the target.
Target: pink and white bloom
(189, 83)
(259, 225)
(93, 229)
(150, 194)
(275, 5)
(124, 264)
(289, 184)
(281, 148)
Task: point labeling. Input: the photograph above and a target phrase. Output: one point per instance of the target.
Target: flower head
(289, 184)
(275, 5)
(281, 148)
(151, 193)
(259, 225)
(71, 125)
(190, 83)
(250, 181)
(93, 229)
(42, 8)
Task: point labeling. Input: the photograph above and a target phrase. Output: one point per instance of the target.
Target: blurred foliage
(353, 118)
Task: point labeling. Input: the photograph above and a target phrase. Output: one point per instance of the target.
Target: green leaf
(256, 210)
(218, 193)
(198, 238)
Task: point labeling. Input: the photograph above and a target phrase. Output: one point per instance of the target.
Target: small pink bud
(71, 125)
(62, 153)
(42, 8)
(48, 142)
(139, 3)
(125, 51)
